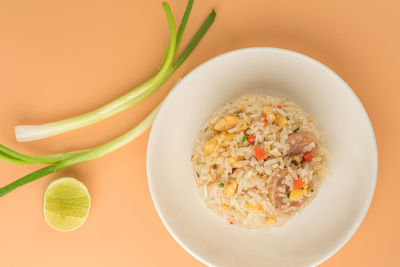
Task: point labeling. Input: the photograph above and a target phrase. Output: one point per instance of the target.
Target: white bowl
(322, 227)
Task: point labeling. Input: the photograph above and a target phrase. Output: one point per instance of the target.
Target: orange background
(62, 58)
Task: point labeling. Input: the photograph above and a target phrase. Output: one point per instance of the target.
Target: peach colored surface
(61, 58)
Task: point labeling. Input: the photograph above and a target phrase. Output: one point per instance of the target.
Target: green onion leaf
(312, 190)
(183, 24)
(276, 207)
(11, 156)
(35, 132)
(205, 130)
(244, 139)
(83, 156)
(9, 159)
(221, 185)
(25, 159)
(27, 179)
(166, 50)
(198, 174)
(295, 130)
(60, 161)
(195, 40)
(288, 195)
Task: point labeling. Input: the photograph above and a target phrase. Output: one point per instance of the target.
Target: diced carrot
(260, 154)
(297, 184)
(279, 106)
(308, 156)
(230, 222)
(251, 138)
(264, 120)
(255, 187)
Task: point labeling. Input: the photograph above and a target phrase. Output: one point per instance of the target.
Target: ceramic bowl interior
(322, 227)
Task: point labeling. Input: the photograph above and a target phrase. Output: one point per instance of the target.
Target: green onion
(205, 130)
(276, 207)
(244, 139)
(295, 130)
(312, 190)
(288, 195)
(7, 158)
(36, 132)
(90, 154)
(221, 185)
(63, 160)
(10, 156)
(7, 154)
(183, 24)
(198, 174)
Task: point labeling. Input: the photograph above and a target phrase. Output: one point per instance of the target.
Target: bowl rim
(310, 60)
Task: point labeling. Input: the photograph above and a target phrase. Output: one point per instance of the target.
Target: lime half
(66, 204)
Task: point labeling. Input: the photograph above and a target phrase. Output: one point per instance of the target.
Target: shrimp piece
(277, 197)
(299, 142)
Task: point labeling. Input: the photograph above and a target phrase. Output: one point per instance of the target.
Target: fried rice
(259, 160)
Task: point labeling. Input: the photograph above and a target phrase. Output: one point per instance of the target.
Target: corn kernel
(210, 146)
(225, 207)
(230, 189)
(281, 120)
(229, 137)
(232, 161)
(297, 158)
(305, 186)
(268, 113)
(250, 206)
(270, 221)
(296, 194)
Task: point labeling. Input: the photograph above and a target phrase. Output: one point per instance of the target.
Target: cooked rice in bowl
(258, 160)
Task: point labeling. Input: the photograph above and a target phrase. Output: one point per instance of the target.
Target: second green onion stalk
(62, 160)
